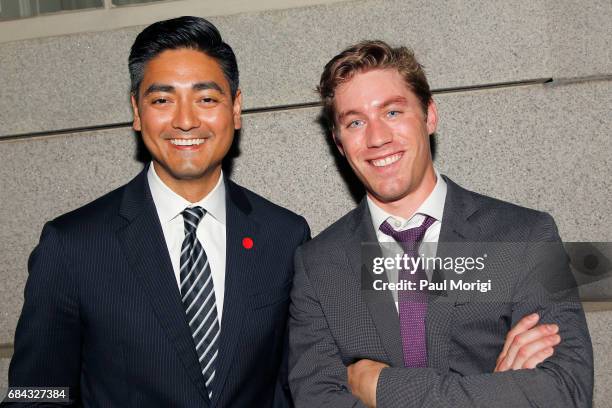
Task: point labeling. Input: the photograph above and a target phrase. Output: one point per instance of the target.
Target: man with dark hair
(427, 343)
(173, 290)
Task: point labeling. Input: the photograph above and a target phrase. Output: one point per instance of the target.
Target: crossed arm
(526, 374)
(526, 346)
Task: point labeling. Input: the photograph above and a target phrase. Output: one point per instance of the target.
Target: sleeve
(563, 380)
(317, 376)
(47, 338)
(282, 398)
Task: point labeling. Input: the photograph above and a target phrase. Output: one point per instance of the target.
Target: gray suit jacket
(336, 321)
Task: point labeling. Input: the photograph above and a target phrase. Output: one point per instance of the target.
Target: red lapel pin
(247, 242)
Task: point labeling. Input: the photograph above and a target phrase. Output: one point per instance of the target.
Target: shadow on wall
(142, 154)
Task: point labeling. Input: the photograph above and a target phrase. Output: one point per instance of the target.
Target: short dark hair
(363, 57)
(183, 32)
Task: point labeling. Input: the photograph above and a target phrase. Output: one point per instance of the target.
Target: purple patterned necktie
(412, 303)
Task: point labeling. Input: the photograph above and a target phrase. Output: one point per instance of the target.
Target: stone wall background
(524, 93)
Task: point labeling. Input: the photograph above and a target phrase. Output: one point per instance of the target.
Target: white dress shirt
(432, 206)
(211, 231)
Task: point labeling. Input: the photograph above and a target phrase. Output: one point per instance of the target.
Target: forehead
(183, 66)
(371, 88)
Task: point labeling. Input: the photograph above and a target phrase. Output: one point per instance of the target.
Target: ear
(432, 117)
(136, 124)
(337, 140)
(237, 110)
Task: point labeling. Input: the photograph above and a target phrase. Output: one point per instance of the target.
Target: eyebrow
(385, 104)
(345, 114)
(158, 88)
(397, 99)
(199, 86)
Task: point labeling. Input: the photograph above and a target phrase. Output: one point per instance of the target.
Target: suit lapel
(240, 266)
(361, 247)
(144, 245)
(456, 234)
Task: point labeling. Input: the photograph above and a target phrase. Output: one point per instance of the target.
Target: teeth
(186, 142)
(387, 160)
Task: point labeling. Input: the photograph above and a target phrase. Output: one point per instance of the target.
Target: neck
(192, 190)
(406, 206)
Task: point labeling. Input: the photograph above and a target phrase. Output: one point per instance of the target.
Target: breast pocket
(270, 296)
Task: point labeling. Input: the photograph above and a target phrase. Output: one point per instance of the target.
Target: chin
(390, 194)
(389, 198)
(386, 196)
(187, 173)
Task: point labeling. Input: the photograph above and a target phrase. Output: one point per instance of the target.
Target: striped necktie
(198, 296)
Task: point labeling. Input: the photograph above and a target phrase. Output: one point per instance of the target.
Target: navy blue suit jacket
(103, 315)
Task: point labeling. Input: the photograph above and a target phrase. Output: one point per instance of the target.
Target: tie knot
(192, 217)
(410, 238)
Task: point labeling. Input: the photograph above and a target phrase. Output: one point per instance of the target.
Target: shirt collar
(432, 206)
(169, 204)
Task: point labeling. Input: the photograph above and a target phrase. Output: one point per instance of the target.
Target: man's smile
(187, 142)
(386, 160)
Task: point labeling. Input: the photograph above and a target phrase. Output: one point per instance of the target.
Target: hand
(363, 379)
(527, 346)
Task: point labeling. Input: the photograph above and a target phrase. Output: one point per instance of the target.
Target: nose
(185, 117)
(378, 133)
